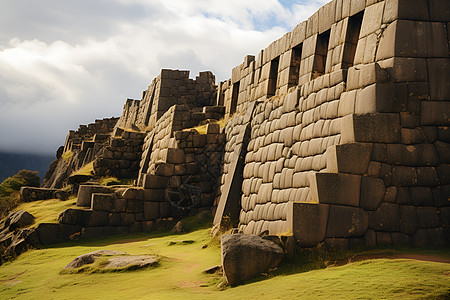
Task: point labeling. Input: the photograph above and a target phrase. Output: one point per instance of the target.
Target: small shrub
(87, 169)
(108, 181)
(67, 156)
(10, 187)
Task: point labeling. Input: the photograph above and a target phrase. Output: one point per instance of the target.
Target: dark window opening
(220, 94)
(234, 97)
(296, 58)
(273, 77)
(152, 98)
(351, 40)
(220, 98)
(320, 57)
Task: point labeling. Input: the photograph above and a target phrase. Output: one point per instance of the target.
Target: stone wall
(80, 148)
(348, 140)
(167, 89)
(121, 156)
(179, 173)
(337, 132)
(101, 128)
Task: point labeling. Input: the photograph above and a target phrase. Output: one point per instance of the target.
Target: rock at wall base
(246, 256)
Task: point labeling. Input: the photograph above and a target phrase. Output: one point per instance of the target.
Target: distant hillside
(11, 163)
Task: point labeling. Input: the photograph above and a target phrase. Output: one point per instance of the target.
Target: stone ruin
(336, 133)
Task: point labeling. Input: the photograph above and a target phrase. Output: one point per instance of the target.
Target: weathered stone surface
(98, 219)
(212, 128)
(151, 210)
(133, 193)
(72, 216)
(51, 233)
(85, 193)
(153, 181)
(435, 113)
(155, 195)
(178, 228)
(386, 218)
(342, 158)
(29, 194)
(19, 219)
(378, 128)
(89, 258)
(372, 192)
(175, 156)
(308, 222)
(334, 188)
(213, 269)
(246, 256)
(344, 221)
(131, 262)
(408, 219)
(102, 202)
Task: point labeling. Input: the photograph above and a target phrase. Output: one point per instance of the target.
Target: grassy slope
(47, 211)
(36, 273)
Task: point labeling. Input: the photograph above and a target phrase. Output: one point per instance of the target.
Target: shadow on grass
(320, 258)
(193, 223)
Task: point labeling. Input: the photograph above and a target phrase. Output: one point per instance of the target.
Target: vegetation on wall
(67, 156)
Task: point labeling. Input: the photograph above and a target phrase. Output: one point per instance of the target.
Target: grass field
(47, 211)
(37, 274)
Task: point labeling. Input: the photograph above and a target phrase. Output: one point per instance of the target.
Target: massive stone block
(372, 193)
(385, 218)
(349, 158)
(155, 182)
(308, 222)
(435, 113)
(85, 193)
(345, 221)
(333, 188)
(377, 128)
(246, 256)
(102, 202)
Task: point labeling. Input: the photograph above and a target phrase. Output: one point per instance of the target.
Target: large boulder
(16, 219)
(246, 256)
(29, 194)
(90, 257)
(117, 260)
(20, 219)
(131, 262)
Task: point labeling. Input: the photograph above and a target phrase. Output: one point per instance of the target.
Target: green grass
(46, 211)
(115, 181)
(67, 156)
(87, 169)
(37, 274)
(202, 128)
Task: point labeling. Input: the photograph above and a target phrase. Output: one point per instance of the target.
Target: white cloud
(66, 73)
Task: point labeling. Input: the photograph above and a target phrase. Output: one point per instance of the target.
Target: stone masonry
(169, 88)
(349, 138)
(336, 133)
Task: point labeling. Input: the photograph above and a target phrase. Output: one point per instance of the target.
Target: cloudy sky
(65, 63)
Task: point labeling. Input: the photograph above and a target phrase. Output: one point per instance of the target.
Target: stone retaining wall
(349, 140)
(337, 132)
(101, 128)
(121, 156)
(167, 89)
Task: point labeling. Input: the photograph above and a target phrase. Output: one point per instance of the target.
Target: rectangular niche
(273, 77)
(296, 58)
(351, 40)
(320, 56)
